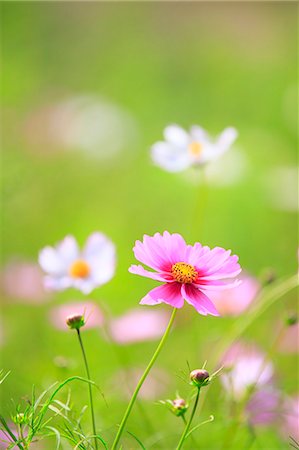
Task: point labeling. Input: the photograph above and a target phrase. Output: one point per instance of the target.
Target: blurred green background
(213, 64)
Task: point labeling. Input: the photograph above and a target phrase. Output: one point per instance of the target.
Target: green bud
(19, 418)
(179, 406)
(199, 377)
(291, 320)
(75, 321)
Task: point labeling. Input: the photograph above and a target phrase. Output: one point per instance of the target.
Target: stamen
(79, 269)
(184, 273)
(195, 148)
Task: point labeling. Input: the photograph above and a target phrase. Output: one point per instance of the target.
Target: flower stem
(188, 424)
(89, 390)
(141, 381)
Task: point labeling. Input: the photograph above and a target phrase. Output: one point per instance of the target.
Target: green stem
(188, 425)
(200, 204)
(141, 381)
(89, 390)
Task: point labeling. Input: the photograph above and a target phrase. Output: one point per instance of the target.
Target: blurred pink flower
(138, 326)
(290, 423)
(246, 367)
(85, 270)
(6, 440)
(289, 340)
(90, 310)
(23, 281)
(264, 407)
(187, 271)
(153, 388)
(232, 302)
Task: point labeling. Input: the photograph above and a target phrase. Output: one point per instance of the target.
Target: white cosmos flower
(181, 149)
(68, 266)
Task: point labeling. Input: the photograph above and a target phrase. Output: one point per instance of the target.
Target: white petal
(51, 262)
(170, 157)
(68, 249)
(102, 269)
(99, 252)
(98, 245)
(198, 134)
(176, 135)
(57, 283)
(226, 139)
(84, 285)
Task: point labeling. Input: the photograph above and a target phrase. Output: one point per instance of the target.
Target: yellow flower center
(79, 269)
(195, 148)
(184, 273)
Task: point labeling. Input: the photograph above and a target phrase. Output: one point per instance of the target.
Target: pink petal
(139, 270)
(174, 245)
(146, 256)
(212, 258)
(216, 285)
(199, 300)
(161, 251)
(167, 293)
(232, 302)
(231, 266)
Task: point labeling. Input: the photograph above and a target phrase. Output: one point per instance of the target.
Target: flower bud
(179, 406)
(291, 320)
(199, 377)
(268, 276)
(19, 418)
(75, 321)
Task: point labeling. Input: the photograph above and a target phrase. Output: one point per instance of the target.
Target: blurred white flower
(85, 270)
(182, 150)
(281, 186)
(87, 123)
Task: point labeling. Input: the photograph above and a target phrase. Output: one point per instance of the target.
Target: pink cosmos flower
(23, 281)
(85, 270)
(138, 326)
(246, 367)
(289, 340)
(233, 302)
(290, 423)
(7, 442)
(264, 407)
(92, 313)
(187, 271)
